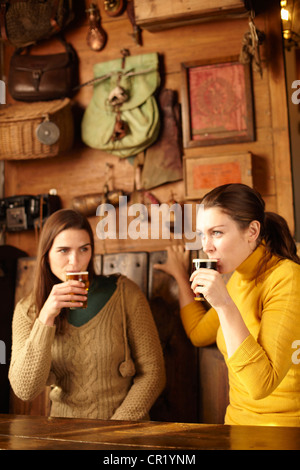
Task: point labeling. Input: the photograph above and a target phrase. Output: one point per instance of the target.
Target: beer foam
(77, 272)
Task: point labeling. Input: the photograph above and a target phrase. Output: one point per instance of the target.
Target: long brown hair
(44, 278)
(244, 204)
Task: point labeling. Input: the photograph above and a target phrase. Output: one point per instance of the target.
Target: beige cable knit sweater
(82, 365)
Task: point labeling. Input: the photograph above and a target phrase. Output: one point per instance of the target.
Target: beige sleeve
(31, 353)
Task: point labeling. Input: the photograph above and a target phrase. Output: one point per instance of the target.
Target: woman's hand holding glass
(63, 295)
(211, 284)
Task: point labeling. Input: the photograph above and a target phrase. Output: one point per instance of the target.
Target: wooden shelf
(158, 15)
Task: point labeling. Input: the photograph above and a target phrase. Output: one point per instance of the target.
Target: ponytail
(278, 238)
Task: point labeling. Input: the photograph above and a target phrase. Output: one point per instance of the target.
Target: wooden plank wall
(82, 170)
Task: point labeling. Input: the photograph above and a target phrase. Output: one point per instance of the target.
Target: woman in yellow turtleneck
(255, 319)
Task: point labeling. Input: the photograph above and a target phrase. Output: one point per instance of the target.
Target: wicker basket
(18, 125)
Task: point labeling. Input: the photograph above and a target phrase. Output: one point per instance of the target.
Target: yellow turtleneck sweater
(264, 377)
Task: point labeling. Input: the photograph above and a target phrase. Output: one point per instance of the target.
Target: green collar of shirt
(101, 290)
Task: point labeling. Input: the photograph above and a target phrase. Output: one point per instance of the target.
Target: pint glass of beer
(82, 276)
(203, 263)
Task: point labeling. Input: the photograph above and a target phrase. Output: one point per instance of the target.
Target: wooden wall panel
(82, 170)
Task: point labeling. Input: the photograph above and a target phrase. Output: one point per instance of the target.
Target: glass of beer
(82, 276)
(203, 263)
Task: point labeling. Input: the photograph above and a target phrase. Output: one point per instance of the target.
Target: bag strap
(3, 8)
(68, 46)
(53, 21)
(108, 75)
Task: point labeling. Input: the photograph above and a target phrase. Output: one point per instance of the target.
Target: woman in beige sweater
(102, 362)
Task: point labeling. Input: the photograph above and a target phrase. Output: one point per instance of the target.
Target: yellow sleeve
(262, 363)
(200, 326)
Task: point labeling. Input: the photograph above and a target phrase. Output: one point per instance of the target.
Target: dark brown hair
(44, 278)
(244, 204)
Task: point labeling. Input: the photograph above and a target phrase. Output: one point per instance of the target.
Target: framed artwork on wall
(202, 174)
(217, 102)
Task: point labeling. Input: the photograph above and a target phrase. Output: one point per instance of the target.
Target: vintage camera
(19, 213)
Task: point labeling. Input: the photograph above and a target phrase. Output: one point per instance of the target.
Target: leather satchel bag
(42, 77)
(25, 22)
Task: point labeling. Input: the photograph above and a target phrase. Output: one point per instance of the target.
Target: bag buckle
(117, 96)
(121, 129)
(36, 75)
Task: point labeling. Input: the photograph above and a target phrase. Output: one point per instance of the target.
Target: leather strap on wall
(3, 5)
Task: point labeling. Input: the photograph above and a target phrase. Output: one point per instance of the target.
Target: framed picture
(217, 102)
(202, 174)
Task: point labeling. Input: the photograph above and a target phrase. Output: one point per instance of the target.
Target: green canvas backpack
(122, 117)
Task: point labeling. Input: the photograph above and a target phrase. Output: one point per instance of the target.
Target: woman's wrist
(46, 319)
(233, 326)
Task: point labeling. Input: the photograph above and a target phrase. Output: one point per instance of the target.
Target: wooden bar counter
(19, 432)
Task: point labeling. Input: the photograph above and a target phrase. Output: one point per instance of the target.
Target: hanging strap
(130, 73)
(124, 322)
(108, 75)
(3, 6)
(126, 368)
